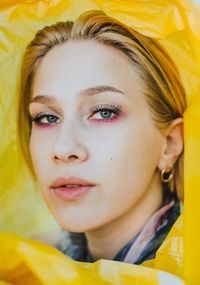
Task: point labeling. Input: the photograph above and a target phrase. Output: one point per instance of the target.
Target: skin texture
(120, 155)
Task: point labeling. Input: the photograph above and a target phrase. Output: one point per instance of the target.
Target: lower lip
(70, 194)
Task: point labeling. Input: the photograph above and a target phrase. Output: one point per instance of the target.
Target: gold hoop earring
(167, 174)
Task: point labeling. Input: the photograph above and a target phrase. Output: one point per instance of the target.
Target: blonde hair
(164, 91)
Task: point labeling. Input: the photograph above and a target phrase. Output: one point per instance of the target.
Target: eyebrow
(46, 99)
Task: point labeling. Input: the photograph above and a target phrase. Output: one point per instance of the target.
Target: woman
(103, 108)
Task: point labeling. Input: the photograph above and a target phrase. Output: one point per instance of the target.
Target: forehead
(77, 64)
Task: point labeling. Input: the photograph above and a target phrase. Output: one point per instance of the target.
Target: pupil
(105, 114)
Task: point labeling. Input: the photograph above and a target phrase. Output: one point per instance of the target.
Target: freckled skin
(123, 165)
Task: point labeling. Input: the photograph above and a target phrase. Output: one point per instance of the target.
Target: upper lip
(61, 181)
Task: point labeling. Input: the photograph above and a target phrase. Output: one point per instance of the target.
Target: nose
(68, 147)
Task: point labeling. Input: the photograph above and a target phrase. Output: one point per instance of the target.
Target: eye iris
(106, 113)
(51, 118)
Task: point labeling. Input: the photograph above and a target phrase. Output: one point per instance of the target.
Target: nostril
(69, 153)
(56, 157)
(66, 158)
(72, 156)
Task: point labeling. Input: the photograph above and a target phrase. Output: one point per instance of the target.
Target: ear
(173, 144)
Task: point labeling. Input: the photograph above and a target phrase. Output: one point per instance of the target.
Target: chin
(74, 225)
(74, 228)
(77, 220)
(78, 227)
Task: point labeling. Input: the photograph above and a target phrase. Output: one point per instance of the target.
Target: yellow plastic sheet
(25, 262)
(169, 257)
(176, 25)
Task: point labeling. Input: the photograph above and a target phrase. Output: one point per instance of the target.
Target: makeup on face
(92, 130)
(106, 112)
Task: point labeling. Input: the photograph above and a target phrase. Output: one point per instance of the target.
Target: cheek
(131, 160)
(40, 155)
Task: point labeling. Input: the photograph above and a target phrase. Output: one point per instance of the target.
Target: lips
(70, 181)
(71, 188)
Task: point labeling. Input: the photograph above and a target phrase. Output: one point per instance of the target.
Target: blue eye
(51, 118)
(105, 112)
(44, 119)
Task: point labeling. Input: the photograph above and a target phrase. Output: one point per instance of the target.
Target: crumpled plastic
(169, 256)
(176, 25)
(28, 262)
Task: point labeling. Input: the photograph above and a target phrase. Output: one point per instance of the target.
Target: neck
(106, 241)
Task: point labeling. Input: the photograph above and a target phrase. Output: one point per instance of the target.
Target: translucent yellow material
(169, 257)
(25, 262)
(176, 25)
(192, 195)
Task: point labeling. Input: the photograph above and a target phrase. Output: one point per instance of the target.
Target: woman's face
(91, 122)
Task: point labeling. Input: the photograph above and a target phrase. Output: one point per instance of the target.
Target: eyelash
(114, 108)
(37, 118)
